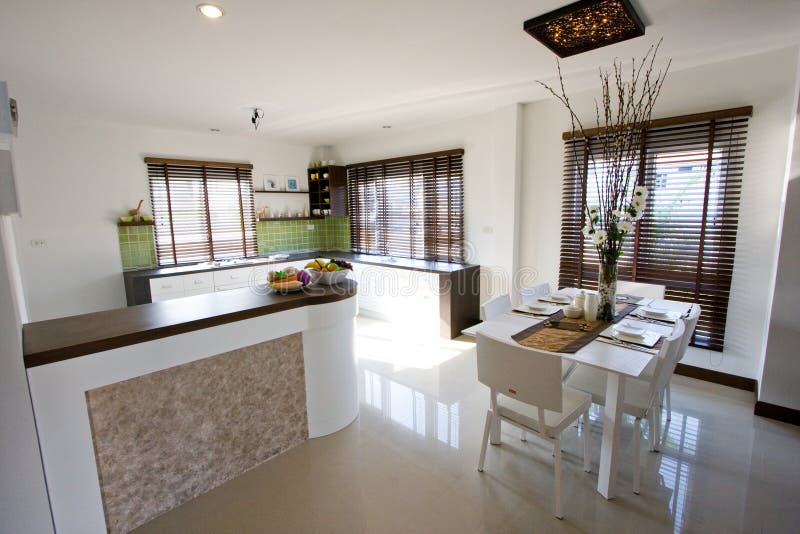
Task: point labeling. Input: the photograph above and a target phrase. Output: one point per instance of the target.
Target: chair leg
(669, 403)
(523, 436)
(587, 460)
(653, 433)
(637, 430)
(557, 467)
(486, 428)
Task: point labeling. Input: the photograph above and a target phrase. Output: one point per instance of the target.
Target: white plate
(623, 337)
(629, 330)
(539, 309)
(654, 312)
(555, 297)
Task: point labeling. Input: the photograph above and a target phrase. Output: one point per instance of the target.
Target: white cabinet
(233, 278)
(408, 298)
(198, 284)
(166, 288)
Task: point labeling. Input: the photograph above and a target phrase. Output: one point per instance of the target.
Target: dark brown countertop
(70, 337)
(368, 259)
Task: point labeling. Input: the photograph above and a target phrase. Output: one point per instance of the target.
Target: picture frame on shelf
(292, 183)
(271, 182)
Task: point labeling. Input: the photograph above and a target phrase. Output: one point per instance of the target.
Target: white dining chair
(653, 291)
(496, 307)
(526, 391)
(691, 323)
(530, 295)
(642, 397)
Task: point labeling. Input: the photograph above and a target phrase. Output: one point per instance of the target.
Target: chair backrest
(653, 291)
(495, 307)
(691, 324)
(524, 374)
(667, 359)
(529, 295)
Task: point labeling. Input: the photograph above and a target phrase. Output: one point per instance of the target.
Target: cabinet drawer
(192, 292)
(166, 287)
(232, 278)
(197, 282)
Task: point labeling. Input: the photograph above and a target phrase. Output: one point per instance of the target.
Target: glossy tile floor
(408, 463)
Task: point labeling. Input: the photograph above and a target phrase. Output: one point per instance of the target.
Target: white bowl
(330, 278)
(573, 312)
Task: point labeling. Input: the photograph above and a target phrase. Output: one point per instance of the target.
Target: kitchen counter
(263, 260)
(140, 409)
(69, 337)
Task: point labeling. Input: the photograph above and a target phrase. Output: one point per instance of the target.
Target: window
(202, 210)
(411, 207)
(687, 237)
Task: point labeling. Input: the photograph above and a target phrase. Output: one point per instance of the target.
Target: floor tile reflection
(408, 464)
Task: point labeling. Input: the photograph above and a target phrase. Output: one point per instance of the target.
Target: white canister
(580, 300)
(590, 305)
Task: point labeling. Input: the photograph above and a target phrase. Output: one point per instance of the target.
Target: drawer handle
(166, 286)
(198, 282)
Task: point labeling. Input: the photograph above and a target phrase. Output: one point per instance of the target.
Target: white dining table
(618, 361)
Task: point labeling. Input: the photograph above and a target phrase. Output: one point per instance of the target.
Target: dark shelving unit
(327, 189)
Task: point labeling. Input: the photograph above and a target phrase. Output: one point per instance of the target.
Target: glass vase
(607, 291)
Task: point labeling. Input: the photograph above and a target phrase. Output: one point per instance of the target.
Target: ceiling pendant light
(586, 25)
(210, 10)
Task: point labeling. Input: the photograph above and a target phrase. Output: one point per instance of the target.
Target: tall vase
(607, 290)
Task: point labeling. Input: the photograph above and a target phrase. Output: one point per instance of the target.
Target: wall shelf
(140, 223)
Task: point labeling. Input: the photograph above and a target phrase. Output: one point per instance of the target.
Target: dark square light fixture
(586, 25)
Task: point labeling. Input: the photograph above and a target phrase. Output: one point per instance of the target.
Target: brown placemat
(542, 337)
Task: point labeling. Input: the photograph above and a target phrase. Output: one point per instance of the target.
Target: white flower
(588, 230)
(626, 227)
(619, 214)
(594, 210)
(638, 203)
(640, 191)
(599, 237)
(637, 213)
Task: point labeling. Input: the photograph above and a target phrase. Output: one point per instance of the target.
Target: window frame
(195, 205)
(410, 206)
(645, 256)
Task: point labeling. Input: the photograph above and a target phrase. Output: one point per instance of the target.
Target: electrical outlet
(38, 243)
(488, 230)
(310, 227)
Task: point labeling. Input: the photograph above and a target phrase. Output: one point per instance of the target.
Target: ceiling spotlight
(210, 10)
(256, 117)
(386, 126)
(215, 130)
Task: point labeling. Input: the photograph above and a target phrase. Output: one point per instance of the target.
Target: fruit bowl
(331, 278)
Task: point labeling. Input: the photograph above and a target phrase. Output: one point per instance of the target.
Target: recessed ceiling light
(215, 130)
(386, 126)
(210, 10)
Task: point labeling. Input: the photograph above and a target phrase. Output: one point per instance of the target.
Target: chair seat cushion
(573, 404)
(593, 382)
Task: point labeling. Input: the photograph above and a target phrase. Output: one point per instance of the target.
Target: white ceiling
(325, 70)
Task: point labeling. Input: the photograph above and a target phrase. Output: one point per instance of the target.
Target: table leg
(612, 424)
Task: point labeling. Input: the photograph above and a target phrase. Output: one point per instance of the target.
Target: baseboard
(779, 413)
(717, 377)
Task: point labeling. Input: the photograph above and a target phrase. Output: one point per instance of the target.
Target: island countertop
(60, 339)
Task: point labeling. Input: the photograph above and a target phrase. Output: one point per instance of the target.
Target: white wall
(76, 176)
(23, 497)
(766, 82)
(781, 372)
(491, 175)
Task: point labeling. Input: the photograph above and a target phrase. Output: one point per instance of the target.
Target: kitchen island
(142, 408)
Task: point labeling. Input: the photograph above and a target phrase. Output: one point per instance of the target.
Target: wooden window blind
(202, 210)
(410, 207)
(687, 237)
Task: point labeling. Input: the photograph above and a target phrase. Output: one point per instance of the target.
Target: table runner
(542, 337)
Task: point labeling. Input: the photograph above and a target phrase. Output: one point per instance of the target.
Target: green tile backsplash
(137, 244)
